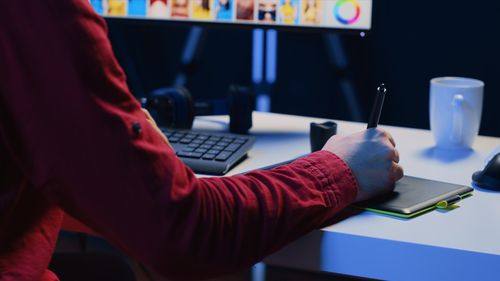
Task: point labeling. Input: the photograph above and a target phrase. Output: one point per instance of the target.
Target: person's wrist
(340, 177)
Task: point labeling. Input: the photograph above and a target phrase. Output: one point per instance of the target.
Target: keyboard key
(202, 137)
(214, 151)
(193, 145)
(226, 139)
(232, 147)
(214, 138)
(239, 141)
(186, 140)
(189, 154)
(191, 135)
(223, 143)
(223, 156)
(197, 141)
(210, 142)
(201, 150)
(208, 156)
(206, 146)
(218, 147)
(188, 149)
(173, 139)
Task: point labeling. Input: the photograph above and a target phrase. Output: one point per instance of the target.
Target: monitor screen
(330, 14)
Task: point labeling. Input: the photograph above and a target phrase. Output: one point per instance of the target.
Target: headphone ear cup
(171, 107)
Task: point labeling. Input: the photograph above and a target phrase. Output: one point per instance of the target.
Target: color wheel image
(347, 11)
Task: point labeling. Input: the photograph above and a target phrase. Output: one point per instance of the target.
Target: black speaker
(241, 103)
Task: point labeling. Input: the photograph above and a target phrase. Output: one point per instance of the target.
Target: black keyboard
(209, 152)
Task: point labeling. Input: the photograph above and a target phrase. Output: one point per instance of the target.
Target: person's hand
(373, 159)
(153, 123)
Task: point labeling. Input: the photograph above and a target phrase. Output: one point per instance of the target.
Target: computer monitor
(316, 14)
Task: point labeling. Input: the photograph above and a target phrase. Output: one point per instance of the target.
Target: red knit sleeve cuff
(336, 178)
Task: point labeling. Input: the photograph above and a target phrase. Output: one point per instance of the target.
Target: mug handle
(457, 118)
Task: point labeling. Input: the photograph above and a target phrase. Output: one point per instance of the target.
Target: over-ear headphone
(174, 108)
(171, 107)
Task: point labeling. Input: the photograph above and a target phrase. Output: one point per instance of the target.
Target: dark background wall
(412, 41)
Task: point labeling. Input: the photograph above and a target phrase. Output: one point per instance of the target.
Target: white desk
(462, 244)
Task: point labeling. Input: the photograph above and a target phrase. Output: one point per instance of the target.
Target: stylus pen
(377, 107)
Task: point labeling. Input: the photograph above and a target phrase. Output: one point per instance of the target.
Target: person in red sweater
(67, 145)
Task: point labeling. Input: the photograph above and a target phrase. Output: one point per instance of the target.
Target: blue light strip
(271, 50)
(258, 55)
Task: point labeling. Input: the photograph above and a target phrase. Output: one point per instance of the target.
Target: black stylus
(377, 107)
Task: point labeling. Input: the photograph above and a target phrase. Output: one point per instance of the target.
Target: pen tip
(382, 88)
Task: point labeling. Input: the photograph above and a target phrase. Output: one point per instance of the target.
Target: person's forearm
(236, 221)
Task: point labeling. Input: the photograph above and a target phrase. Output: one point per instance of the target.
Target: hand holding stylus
(370, 154)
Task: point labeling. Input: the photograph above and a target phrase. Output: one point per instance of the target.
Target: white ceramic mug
(455, 111)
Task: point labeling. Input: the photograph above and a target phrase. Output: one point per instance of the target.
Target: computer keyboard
(209, 152)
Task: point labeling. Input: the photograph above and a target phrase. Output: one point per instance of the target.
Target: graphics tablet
(413, 196)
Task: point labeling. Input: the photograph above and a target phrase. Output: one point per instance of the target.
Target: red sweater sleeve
(70, 116)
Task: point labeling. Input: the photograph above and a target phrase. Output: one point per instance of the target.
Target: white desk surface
(462, 244)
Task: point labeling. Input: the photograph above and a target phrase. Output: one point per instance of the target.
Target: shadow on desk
(313, 250)
(446, 156)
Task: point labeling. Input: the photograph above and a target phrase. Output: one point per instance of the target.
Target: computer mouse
(489, 177)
